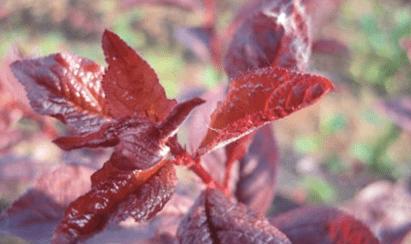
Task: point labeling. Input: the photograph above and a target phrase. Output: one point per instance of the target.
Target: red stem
(193, 163)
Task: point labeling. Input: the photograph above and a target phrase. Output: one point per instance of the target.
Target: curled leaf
(177, 116)
(323, 225)
(215, 219)
(259, 97)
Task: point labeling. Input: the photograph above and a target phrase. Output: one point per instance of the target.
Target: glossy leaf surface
(274, 33)
(323, 225)
(260, 97)
(131, 85)
(150, 198)
(66, 87)
(214, 219)
(91, 212)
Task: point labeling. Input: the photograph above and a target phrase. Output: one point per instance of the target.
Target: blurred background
(356, 136)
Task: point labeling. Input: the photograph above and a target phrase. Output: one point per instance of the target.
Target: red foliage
(274, 33)
(66, 87)
(257, 98)
(257, 172)
(215, 219)
(125, 107)
(322, 225)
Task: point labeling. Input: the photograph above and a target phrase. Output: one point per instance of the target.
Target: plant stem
(201, 172)
(194, 164)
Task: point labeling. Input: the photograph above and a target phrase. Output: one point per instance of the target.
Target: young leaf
(66, 87)
(131, 85)
(34, 215)
(177, 116)
(133, 131)
(257, 172)
(90, 212)
(259, 97)
(275, 33)
(214, 219)
(322, 225)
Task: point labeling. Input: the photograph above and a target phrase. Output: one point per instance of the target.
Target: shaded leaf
(322, 225)
(34, 215)
(214, 219)
(197, 40)
(131, 85)
(259, 97)
(257, 172)
(66, 87)
(234, 152)
(275, 34)
(90, 212)
(385, 208)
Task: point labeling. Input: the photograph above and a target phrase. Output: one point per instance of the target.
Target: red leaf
(257, 172)
(66, 87)
(214, 219)
(177, 116)
(104, 137)
(131, 85)
(259, 97)
(385, 208)
(90, 212)
(234, 152)
(275, 33)
(322, 225)
(130, 131)
(34, 215)
(150, 198)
